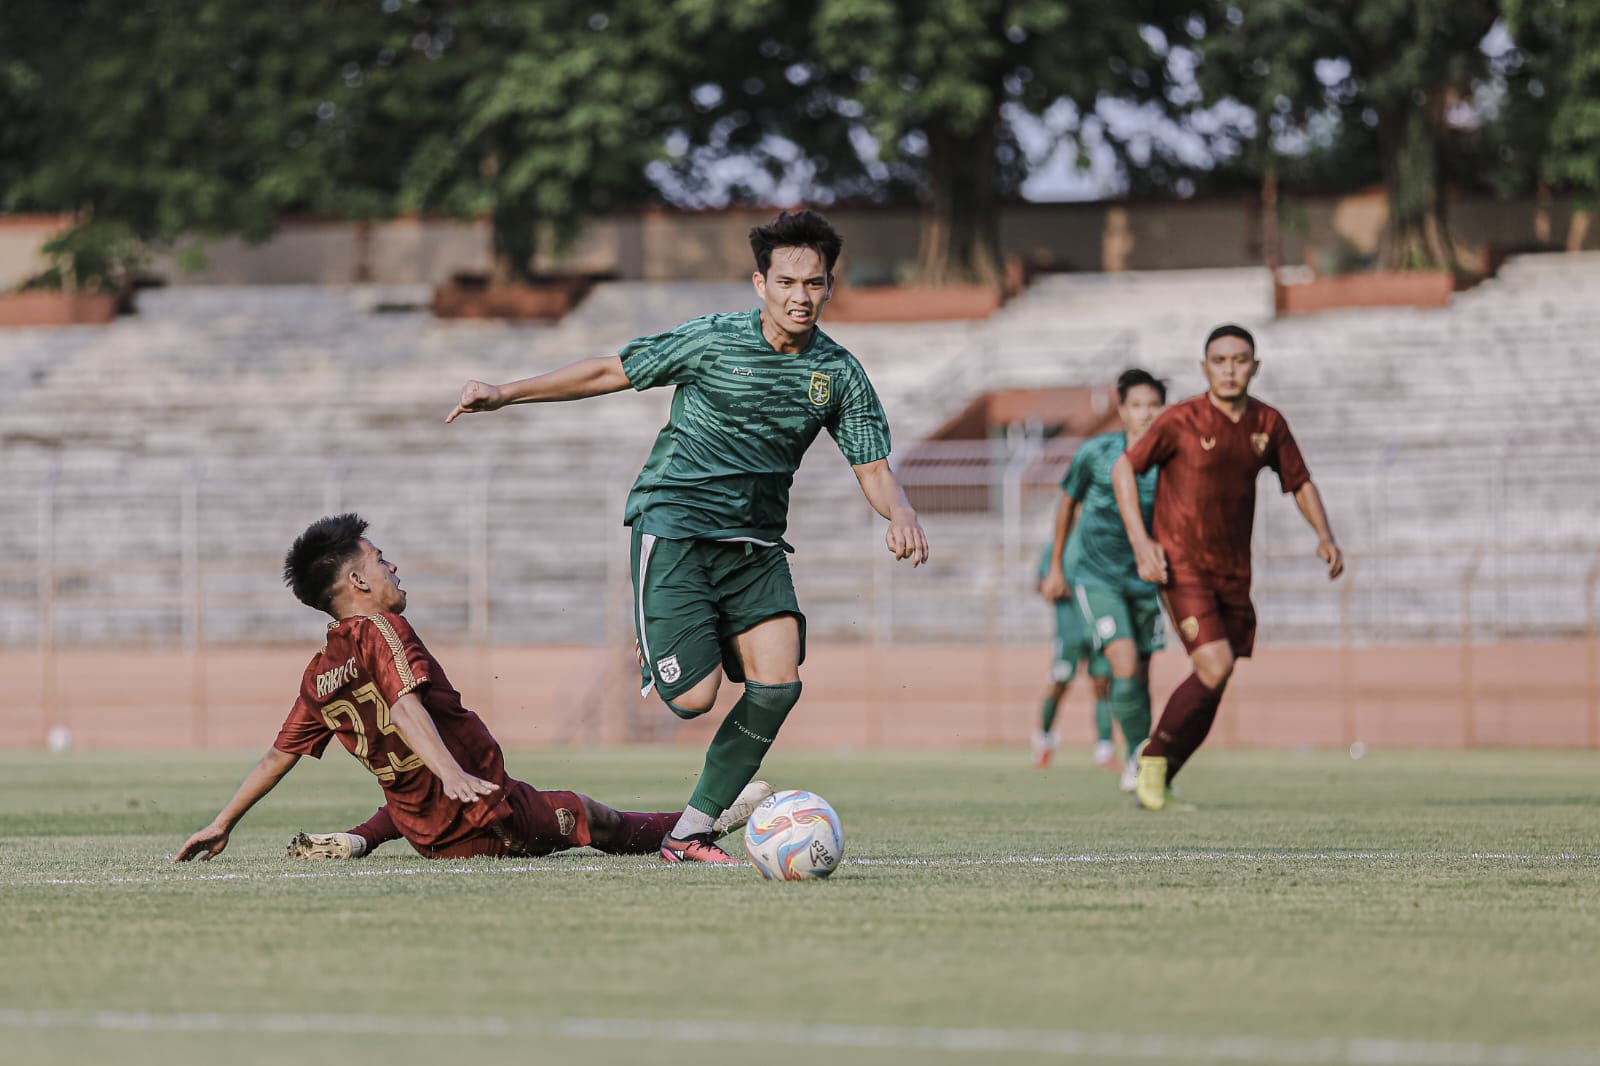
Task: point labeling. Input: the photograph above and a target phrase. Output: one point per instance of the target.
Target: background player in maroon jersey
(1210, 449)
(378, 689)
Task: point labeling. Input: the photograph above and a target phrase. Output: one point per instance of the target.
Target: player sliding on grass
(376, 687)
(1117, 610)
(1197, 547)
(712, 589)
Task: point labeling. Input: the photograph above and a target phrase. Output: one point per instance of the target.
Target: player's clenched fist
(1151, 559)
(476, 396)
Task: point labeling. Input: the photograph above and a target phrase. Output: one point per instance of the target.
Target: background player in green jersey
(712, 589)
(1072, 647)
(1121, 612)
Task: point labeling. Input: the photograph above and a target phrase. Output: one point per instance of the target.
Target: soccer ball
(793, 836)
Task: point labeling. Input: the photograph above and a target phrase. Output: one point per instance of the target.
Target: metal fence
(1441, 541)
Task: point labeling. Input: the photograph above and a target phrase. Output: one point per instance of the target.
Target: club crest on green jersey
(821, 388)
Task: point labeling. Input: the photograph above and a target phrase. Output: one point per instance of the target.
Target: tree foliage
(1406, 70)
(935, 77)
(166, 118)
(1555, 102)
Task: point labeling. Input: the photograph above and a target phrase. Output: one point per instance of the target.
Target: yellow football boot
(1150, 788)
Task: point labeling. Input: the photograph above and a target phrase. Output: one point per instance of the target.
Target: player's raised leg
(769, 654)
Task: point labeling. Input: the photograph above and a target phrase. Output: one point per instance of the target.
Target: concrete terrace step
(1419, 425)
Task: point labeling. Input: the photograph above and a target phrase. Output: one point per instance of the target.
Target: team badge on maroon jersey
(1189, 627)
(821, 387)
(1258, 441)
(566, 821)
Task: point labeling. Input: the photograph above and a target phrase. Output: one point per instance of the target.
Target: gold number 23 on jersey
(368, 693)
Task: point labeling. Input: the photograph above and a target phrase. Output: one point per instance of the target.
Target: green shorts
(692, 597)
(1110, 615)
(1072, 646)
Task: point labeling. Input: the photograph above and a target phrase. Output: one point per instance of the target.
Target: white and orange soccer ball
(793, 836)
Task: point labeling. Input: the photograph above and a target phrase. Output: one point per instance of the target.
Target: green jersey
(742, 417)
(1105, 558)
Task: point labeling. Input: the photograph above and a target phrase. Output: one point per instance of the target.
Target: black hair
(1228, 329)
(1133, 377)
(312, 566)
(795, 229)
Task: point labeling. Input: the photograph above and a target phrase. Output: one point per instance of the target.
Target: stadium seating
(181, 449)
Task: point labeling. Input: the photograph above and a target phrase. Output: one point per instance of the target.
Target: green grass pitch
(1406, 908)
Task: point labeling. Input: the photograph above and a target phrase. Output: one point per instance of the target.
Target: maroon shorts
(1205, 612)
(536, 823)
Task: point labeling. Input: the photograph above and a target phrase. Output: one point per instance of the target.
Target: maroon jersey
(368, 663)
(1206, 497)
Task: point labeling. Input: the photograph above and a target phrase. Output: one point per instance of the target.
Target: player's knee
(1102, 687)
(774, 701)
(684, 707)
(697, 700)
(1124, 691)
(1215, 671)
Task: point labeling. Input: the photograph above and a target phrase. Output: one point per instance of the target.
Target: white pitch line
(342, 868)
(1059, 1043)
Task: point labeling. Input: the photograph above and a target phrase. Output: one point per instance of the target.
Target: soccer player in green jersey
(1120, 610)
(1072, 648)
(712, 591)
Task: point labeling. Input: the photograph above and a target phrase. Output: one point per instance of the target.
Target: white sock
(692, 824)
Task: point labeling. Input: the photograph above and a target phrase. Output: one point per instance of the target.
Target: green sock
(1130, 703)
(741, 743)
(1102, 718)
(1048, 718)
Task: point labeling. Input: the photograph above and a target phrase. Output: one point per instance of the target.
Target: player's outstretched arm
(1150, 556)
(575, 381)
(1309, 500)
(208, 843)
(422, 736)
(905, 538)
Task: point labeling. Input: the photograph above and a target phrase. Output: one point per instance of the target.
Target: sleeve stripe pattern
(408, 680)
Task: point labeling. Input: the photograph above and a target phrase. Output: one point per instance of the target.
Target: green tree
(543, 115)
(26, 28)
(1407, 70)
(934, 80)
(161, 120)
(1552, 116)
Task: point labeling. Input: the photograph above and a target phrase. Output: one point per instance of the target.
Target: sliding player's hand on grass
(1152, 560)
(476, 396)
(1329, 553)
(907, 541)
(205, 845)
